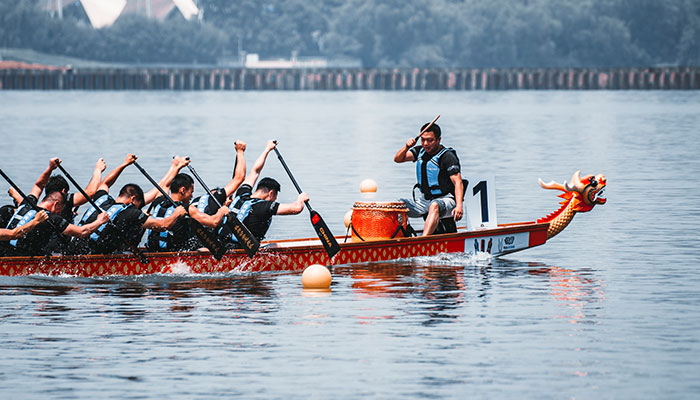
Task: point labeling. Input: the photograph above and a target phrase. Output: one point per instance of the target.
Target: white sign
(498, 244)
(480, 199)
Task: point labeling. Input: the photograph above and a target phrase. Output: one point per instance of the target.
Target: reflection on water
(609, 308)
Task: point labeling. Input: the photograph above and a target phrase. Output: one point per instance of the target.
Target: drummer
(439, 178)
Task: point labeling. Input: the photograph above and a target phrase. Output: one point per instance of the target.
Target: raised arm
(175, 167)
(404, 154)
(15, 196)
(18, 232)
(92, 186)
(109, 180)
(239, 173)
(43, 179)
(259, 164)
(293, 208)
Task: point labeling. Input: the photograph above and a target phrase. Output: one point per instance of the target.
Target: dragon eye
(594, 183)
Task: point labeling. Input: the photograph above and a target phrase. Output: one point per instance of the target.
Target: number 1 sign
(480, 199)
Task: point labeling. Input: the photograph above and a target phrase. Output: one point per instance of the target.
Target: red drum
(378, 220)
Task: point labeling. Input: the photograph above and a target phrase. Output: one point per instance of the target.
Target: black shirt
(105, 240)
(35, 243)
(178, 238)
(210, 207)
(261, 213)
(6, 212)
(129, 222)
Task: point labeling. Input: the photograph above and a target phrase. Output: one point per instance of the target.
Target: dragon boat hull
(284, 255)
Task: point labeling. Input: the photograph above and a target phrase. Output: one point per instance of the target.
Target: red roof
(23, 65)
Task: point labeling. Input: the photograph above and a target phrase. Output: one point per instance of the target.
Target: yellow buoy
(316, 276)
(348, 218)
(368, 185)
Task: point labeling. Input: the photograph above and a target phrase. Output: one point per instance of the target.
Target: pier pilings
(414, 79)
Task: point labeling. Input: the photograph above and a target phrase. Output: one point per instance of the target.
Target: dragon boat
(579, 195)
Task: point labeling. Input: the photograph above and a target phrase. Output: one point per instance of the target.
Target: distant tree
(381, 33)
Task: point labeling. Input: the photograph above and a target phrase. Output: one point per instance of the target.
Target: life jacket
(112, 212)
(202, 203)
(241, 209)
(91, 213)
(431, 168)
(21, 217)
(160, 240)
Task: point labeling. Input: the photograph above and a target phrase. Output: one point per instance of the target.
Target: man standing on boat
(439, 178)
(256, 209)
(125, 211)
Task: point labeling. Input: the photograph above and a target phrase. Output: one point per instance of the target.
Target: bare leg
(432, 220)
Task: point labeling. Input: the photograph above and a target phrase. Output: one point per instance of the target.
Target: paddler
(18, 232)
(58, 183)
(34, 243)
(179, 237)
(256, 208)
(125, 211)
(205, 209)
(438, 175)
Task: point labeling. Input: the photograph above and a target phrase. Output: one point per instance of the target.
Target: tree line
(381, 33)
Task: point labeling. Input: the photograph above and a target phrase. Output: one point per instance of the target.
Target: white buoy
(316, 276)
(347, 218)
(368, 186)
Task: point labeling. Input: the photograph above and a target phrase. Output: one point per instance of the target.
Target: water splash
(480, 258)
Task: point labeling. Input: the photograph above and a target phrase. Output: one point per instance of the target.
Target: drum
(378, 220)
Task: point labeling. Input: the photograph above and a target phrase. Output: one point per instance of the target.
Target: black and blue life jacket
(160, 240)
(241, 209)
(431, 185)
(21, 217)
(91, 213)
(112, 212)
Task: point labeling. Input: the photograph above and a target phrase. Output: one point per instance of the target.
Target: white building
(103, 13)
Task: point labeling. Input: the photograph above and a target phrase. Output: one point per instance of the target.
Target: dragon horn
(551, 185)
(576, 184)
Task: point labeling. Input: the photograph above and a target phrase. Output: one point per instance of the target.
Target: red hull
(283, 255)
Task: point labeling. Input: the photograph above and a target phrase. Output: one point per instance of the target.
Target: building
(103, 13)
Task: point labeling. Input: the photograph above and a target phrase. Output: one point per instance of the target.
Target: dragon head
(587, 191)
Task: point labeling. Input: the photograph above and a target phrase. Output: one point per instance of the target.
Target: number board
(480, 199)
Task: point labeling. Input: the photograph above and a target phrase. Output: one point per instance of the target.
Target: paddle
(216, 248)
(33, 205)
(235, 163)
(329, 243)
(427, 127)
(134, 249)
(250, 243)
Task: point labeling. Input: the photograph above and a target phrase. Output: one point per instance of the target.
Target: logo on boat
(506, 243)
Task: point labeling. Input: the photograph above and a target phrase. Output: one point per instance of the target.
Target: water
(610, 308)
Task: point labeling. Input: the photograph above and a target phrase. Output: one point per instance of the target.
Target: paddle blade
(249, 242)
(215, 246)
(329, 243)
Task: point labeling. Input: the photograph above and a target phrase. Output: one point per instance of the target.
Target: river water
(610, 308)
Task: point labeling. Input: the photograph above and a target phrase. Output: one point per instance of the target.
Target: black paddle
(216, 248)
(250, 243)
(33, 205)
(134, 249)
(329, 243)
